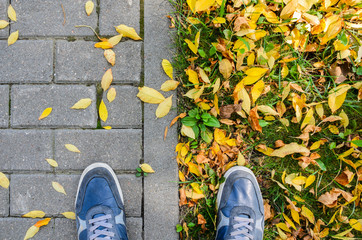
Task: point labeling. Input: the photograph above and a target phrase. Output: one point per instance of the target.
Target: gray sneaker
(240, 206)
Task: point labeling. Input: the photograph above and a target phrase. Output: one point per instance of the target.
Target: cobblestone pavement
(54, 64)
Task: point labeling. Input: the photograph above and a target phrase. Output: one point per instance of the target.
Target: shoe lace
(101, 228)
(242, 228)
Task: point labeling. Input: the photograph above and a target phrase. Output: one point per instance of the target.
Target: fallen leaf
(345, 177)
(204, 76)
(337, 96)
(187, 131)
(45, 113)
(59, 188)
(266, 110)
(289, 221)
(52, 162)
(289, 9)
(3, 24)
(150, 95)
(82, 104)
(257, 90)
(246, 103)
(167, 67)
(103, 45)
(72, 148)
(128, 32)
(308, 214)
(193, 78)
(300, 180)
(344, 120)
(107, 79)
(169, 85)
(110, 56)
(201, 219)
(4, 181)
(194, 195)
(241, 160)
(107, 127)
(35, 228)
(146, 168)
(11, 13)
(356, 224)
(111, 94)
(290, 148)
(103, 112)
(34, 214)
(310, 180)
(69, 215)
(203, 5)
(254, 119)
(225, 68)
(89, 6)
(115, 39)
(164, 107)
(13, 38)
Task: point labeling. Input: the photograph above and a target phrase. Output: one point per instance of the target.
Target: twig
(63, 14)
(78, 26)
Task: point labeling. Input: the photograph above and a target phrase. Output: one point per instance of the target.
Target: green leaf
(178, 228)
(263, 123)
(207, 136)
(202, 53)
(191, 224)
(321, 165)
(332, 145)
(196, 130)
(212, 50)
(145, 174)
(205, 116)
(138, 174)
(212, 122)
(359, 70)
(139, 169)
(189, 121)
(357, 142)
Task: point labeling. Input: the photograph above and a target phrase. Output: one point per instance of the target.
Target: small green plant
(140, 172)
(199, 121)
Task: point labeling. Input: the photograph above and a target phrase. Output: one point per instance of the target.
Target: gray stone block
(4, 201)
(121, 149)
(116, 12)
(15, 229)
(4, 106)
(125, 111)
(35, 192)
(80, 61)
(46, 18)
(4, 16)
(134, 228)
(26, 61)
(25, 149)
(29, 101)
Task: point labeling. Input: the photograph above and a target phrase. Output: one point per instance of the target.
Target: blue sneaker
(240, 206)
(99, 205)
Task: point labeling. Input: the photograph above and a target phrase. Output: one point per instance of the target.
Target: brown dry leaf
(332, 118)
(82, 103)
(200, 219)
(128, 32)
(110, 56)
(345, 177)
(164, 107)
(267, 210)
(115, 39)
(254, 119)
(146, 168)
(225, 68)
(150, 95)
(290, 148)
(111, 94)
(69, 215)
(4, 181)
(103, 112)
(13, 38)
(45, 113)
(169, 85)
(3, 24)
(330, 198)
(58, 187)
(72, 148)
(194, 195)
(89, 6)
(11, 13)
(52, 162)
(107, 79)
(34, 214)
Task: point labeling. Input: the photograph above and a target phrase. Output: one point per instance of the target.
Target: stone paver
(79, 61)
(29, 192)
(25, 149)
(3, 15)
(27, 61)
(46, 18)
(109, 15)
(4, 106)
(121, 149)
(125, 111)
(29, 101)
(4, 201)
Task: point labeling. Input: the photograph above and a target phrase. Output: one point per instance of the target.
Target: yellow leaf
(34, 214)
(315, 145)
(308, 214)
(103, 45)
(356, 224)
(107, 79)
(289, 221)
(307, 118)
(251, 59)
(283, 226)
(289, 9)
(243, 95)
(72, 148)
(89, 6)
(52, 162)
(300, 180)
(150, 95)
(196, 187)
(195, 93)
(115, 39)
(285, 71)
(31, 232)
(219, 20)
(225, 68)
(181, 176)
(271, 16)
(3, 24)
(283, 176)
(13, 38)
(107, 127)
(203, 5)
(264, 149)
(256, 91)
(11, 13)
(256, 72)
(192, 4)
(241, 160)
(194, 195)
(110, 56)
(194, 168)
(164, 107)
(69, 215)
(4, 181)
(290, 149)
(59, 188)
(45, 113)
(310, 180)
(192, 46)
(204, 76)
(319, 109)
(111, 94)
(128, 32)
(169, 85)
(82, 104)
(167, 67)
(295, 216)
(193, 78)
(266, 110)
(345, 120)
(285, 92)
(103, 112)
(187, 131)
(282, 235)
(337, 96)
(216, 86)
(333, 129)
